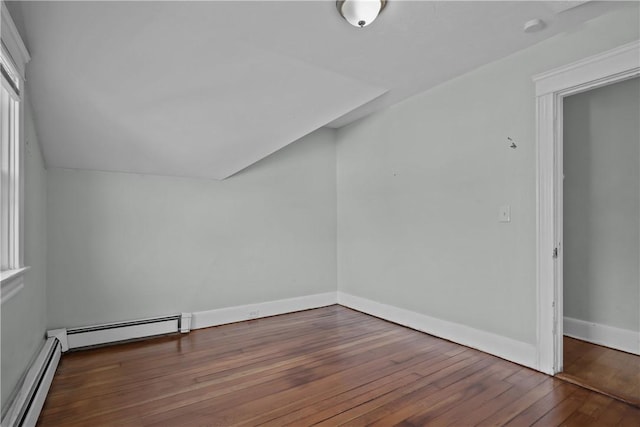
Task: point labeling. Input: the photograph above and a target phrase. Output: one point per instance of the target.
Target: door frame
(551, 87)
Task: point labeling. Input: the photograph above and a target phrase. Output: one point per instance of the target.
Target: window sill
(11, 283)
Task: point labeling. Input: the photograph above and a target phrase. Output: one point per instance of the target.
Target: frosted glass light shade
(360, 13)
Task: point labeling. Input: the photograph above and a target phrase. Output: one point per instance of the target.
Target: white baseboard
(73, 338)
(506, 348)
(221, 316)
(28, 401)
(27, 404)
(608, 336)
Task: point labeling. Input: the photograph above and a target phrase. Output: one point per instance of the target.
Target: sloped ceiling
(205, 89)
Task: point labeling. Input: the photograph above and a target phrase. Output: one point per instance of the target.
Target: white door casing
(609, 67)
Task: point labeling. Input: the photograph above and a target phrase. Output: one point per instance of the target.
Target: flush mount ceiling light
(360, 13)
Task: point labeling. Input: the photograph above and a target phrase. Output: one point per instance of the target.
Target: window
(11, 265)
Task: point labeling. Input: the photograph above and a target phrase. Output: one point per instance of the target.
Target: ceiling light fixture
(360, 13)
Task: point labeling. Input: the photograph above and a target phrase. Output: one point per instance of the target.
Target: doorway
(601, 236)
(616, 65)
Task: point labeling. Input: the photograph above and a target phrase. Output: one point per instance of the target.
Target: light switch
(504, 215)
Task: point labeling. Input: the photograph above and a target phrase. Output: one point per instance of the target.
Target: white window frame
(14, 57)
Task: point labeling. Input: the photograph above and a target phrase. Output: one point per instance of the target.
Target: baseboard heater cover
(27, 403)
(89, 336)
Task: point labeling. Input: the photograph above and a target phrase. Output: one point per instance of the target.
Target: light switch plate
(504, 214)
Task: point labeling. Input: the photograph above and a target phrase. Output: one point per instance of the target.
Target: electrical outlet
(254, 314)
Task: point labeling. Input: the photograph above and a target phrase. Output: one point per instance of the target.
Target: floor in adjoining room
(601, 368)
(329, 366)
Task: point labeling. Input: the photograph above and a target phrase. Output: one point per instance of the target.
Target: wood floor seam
(327, 367)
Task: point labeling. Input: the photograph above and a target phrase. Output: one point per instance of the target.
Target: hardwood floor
(604, 369)
(328, 367)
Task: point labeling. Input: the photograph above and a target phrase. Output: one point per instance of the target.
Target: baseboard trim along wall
(27, 404)
(221, 316)
(28, 401)
(608, 336)
(506, 348)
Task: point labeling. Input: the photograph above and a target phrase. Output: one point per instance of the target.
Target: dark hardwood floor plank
(384, 405)
(524, 384)
(564, 409)
(298, 381)
(200, 373)
(441, 368)
(466, 392)
(329, 366)
(559, 392)
(347, 391)
(589, 412)
(511, 410)
(198, 389)
(341, 402)
(604, 369)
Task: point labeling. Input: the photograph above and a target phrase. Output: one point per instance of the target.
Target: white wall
(602, 205)
(420, 184)
(418, 190)
(126, 246)
(24, 316)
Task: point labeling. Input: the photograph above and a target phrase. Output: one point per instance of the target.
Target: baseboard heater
(27, 403)
(90, 336)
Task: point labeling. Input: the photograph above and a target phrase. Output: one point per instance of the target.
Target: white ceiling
(204, 89)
